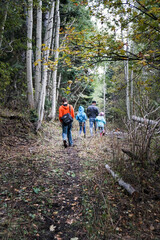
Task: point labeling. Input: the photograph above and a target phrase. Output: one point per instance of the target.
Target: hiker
(66, 115)
(92, 113)
(81, 118)
(100, 123)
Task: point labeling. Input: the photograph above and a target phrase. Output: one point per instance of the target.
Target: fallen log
(123, 184)
(144, 120)
(130, 154)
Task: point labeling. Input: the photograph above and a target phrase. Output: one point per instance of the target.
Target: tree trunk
(127, 83)
(2, 25)
(131, 84)
(123, 184)
(104, 91)
(58, 86)
(126, 74)
(131, 91)
(127, 90)
(29, 54)
(47, 44)
(38, 52)
(80, 95)
(144, 120)
(54, 86)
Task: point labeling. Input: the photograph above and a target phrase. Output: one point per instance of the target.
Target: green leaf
(36, 190)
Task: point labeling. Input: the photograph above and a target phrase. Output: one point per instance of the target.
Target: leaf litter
(48, 192)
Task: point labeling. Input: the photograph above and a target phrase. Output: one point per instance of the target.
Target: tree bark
(2, 25)
(54, 86)
(130, 154)
(38, 52)
(80, 95)
(144, 120)
(29, 54)
(127, 83)
(126, 74)
(131, 84)
(58, 86)
(47, 44)
(123, 184)
(104, 92)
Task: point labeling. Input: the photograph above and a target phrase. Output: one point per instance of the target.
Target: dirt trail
(67, 209)
(41, 188)
(49, 192)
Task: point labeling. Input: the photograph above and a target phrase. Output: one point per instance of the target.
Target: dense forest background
(58, 48)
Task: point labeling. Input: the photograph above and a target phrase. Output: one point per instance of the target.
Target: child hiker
(81, 118)
(100, 123)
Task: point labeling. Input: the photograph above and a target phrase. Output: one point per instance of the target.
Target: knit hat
(101, 114)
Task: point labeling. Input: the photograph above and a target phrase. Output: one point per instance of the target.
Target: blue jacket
(100, 121)
(81, 116)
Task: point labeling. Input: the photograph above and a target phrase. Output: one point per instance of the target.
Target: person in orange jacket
(66, 128)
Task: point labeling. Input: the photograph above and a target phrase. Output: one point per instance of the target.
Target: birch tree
(131, 84)
(54, 86)
(29, 54)
(126, 74)
(126, 71)
(104, 91)
(38, 52)
(58, 86)
(46, 51)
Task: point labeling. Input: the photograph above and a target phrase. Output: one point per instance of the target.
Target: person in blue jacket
(100, 123)
(81, 118)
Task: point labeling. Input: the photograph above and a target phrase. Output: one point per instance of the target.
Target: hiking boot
(84, 135)
(65, 143)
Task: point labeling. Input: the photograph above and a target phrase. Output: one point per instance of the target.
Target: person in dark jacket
(92, 113)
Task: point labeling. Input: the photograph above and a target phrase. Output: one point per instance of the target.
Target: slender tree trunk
(29, 54)
(127, 80)
(132, 91)
(53, 110)
(104, 91)
(58, 86)
(46, 50)
(80, 95)
(38, 52)
(2, 25)
(127, 89)
(131, 83)
(126, 73)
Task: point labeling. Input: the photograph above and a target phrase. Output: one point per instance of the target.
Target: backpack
(67, 118)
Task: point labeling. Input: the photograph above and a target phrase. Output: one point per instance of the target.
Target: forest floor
(49, 192)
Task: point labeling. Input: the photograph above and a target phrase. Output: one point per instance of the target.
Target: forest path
(68, 173)
(42, 188)
(49, 192)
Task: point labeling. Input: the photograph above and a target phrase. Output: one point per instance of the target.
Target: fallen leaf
(55, 213)
(151, 227)
(130, 215)
(52, 228)
(70, 221)
(73, 204)
(118, 229)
